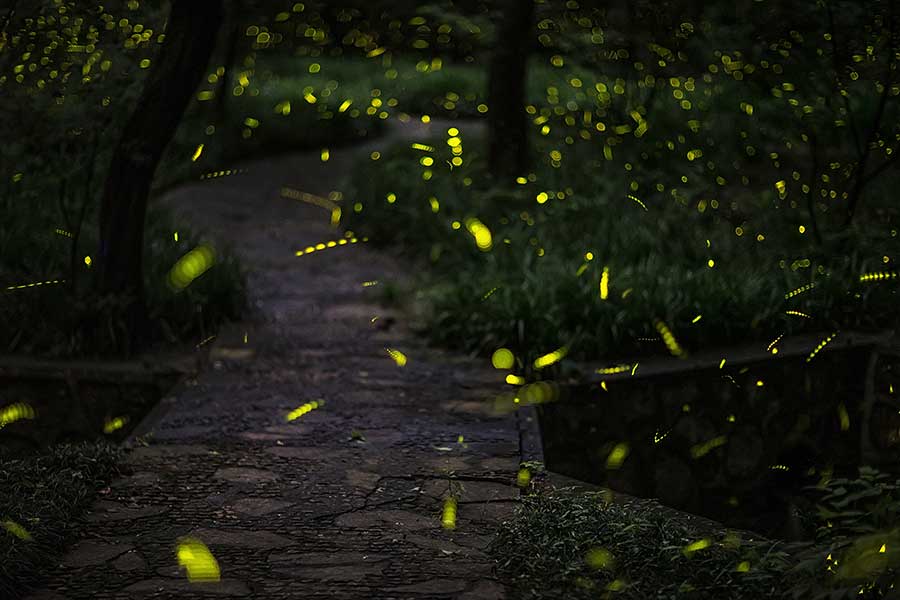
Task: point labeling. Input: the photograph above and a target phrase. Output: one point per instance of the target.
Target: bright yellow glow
(523, 478)
(197, 153)
(695, 547)
(481, 234)
(114, 424)
(398, 356)
(617, 456)
(644, 206)
(303, 409)
(195, 557)
(669, 339)
(325, 155)
(548, 359)
(613, 370)
(448, 517)
(514, 379)
(503, 359)
(604, 284)
(15, 412)
(191, 266)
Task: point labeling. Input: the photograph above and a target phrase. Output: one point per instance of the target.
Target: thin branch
(84, 203)
(894, 155)
(860, 173)
(9, 16)
(837, 76)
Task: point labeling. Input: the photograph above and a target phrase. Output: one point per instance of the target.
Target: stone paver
(346, 500)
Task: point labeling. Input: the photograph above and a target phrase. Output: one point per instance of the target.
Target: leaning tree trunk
(189, 42)
(232, 38)
(507, 124)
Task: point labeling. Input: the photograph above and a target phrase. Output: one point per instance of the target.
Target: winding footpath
(345, 501)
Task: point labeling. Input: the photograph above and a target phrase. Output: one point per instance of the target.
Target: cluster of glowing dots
(489, 293)
(191, 266)
(799, 290)
(303, 409)
(669, 339)
(820, 346)
(195, 558)
(613, 370)
(772, 347)
(204, 342)
(636, 199)
(330, 244)
(15, 412)
(398, 356)
(214, 174)
(35, 284)
(455, 143)
(877, 276)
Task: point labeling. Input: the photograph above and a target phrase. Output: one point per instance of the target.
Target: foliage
(546, 289)
(43, 494)
(50, 319)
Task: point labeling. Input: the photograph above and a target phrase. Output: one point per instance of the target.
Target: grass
(579, 546)
(47, 320)
(538, 287)
(39, 499)
(563, 544)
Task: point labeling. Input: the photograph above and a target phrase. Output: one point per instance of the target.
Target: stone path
(346, 500)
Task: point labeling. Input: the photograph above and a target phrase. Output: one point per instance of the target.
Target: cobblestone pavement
(346, 500)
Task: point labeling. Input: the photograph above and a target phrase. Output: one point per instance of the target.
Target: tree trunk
(223, 89)
(190, 38)
(507, 123)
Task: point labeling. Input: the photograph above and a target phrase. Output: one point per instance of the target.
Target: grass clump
(40, 496)
(581, 546)
(563, 544)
